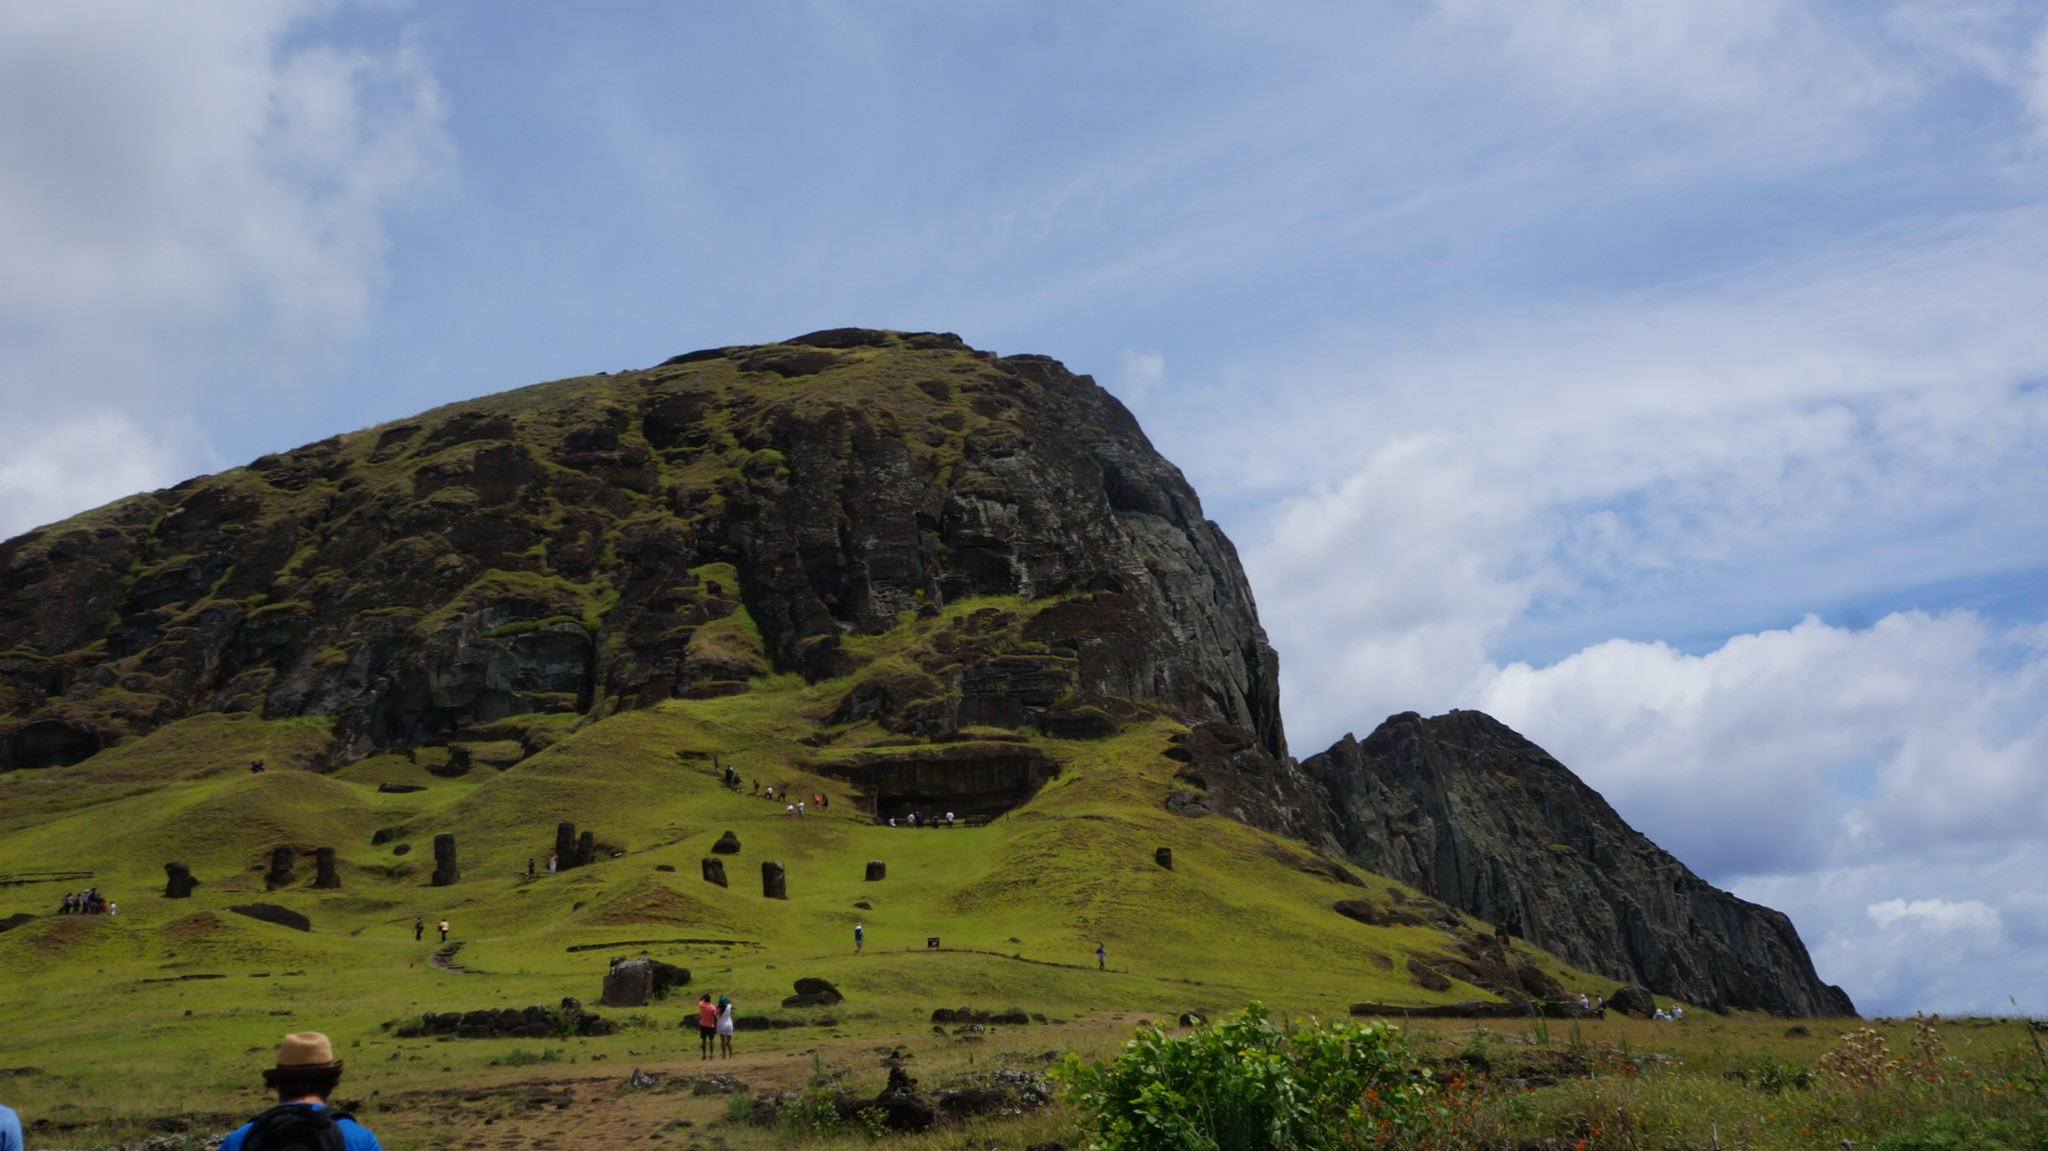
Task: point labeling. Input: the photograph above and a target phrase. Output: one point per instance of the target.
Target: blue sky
(1667, 380)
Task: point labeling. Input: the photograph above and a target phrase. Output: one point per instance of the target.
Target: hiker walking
(10, 1130)
(858, 936)
(1101, 958)
(419, 929)
(444, 931)
(306, 1074)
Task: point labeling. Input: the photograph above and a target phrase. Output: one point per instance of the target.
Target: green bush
(1250, 1084)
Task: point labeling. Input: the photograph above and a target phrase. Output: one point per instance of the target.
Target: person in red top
(707, 1024)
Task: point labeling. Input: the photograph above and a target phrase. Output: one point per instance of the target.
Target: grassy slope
(1019, 905)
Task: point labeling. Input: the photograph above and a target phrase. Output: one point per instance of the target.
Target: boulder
(714, 871)
(324, 875)
(280, 873)
(633, 982)
(877, 871)
(1634, 1001)
(1163, 856)
(178, 881)
(445, 872)
(728, 844)
(774, 883)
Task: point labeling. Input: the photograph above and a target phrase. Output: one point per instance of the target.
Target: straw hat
(303, 1053)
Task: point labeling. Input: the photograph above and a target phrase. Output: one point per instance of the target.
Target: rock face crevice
(1466, 809)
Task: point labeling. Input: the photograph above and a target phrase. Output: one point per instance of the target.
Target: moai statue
(877, 870)
(586, 849)
(1164, 857)
(179, 883)
(714, 871)
(281, 873)
(324, 875)
(444, 860)
(565, 845)
(773, 882)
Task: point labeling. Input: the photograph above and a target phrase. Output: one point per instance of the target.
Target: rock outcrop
(1466, 809)
(579, 546)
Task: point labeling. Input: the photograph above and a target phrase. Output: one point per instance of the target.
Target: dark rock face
(324, 875)
(452, 573)
(774, 884)
(445, 872)
(714, 871)
(1467, 810)
(281, 873)
(1633, 1001)
(178, 881)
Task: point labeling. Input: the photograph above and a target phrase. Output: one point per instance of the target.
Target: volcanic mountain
(968, 565)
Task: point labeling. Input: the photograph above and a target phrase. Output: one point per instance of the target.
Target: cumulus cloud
(192, 206)
(1939, 916)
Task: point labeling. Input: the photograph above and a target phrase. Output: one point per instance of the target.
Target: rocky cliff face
(611, 542)
(1469, 811)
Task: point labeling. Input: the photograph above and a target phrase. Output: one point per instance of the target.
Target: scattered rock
(728, 844)
(272, 913)
(639, 1080)
(1798, 1031)
(814, 993)
(717, 1085)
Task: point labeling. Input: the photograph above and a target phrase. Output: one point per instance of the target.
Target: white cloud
(1939, 916)
(192, 209)
(1139, 375)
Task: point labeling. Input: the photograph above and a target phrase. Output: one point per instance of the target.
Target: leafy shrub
(1248, 1083)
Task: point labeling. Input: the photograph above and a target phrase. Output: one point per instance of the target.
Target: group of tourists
(86, 903)
(714, 1019)
(920, 819)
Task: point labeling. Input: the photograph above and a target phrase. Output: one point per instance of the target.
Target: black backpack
(295, 1127)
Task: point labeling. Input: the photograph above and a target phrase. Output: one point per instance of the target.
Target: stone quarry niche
(967, 779)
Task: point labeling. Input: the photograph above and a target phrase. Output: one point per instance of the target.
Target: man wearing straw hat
(306, 1074)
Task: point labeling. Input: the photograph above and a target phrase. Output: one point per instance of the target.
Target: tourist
(949, 819)
(554, 861)
(1585, 1004)
(789, 810)
(419, 929)
(799, 809)
(859, 935)
(757, 787)
(444, 931)
(10, 1130)
(707, 1025)
(529, 867)
(724, 1027)
(1101, 958)
(306, 1074)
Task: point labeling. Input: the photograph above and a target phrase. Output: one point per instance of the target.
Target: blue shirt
(10, 1130)
(354, 1136)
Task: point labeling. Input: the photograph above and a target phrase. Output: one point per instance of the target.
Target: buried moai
(1164, 857)
(280, 873)
(324, 875)
(178, 881)
(774, 883)
(586, 849)
(877, 871)
(714, 871)
(565, 845)
(444, 860)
